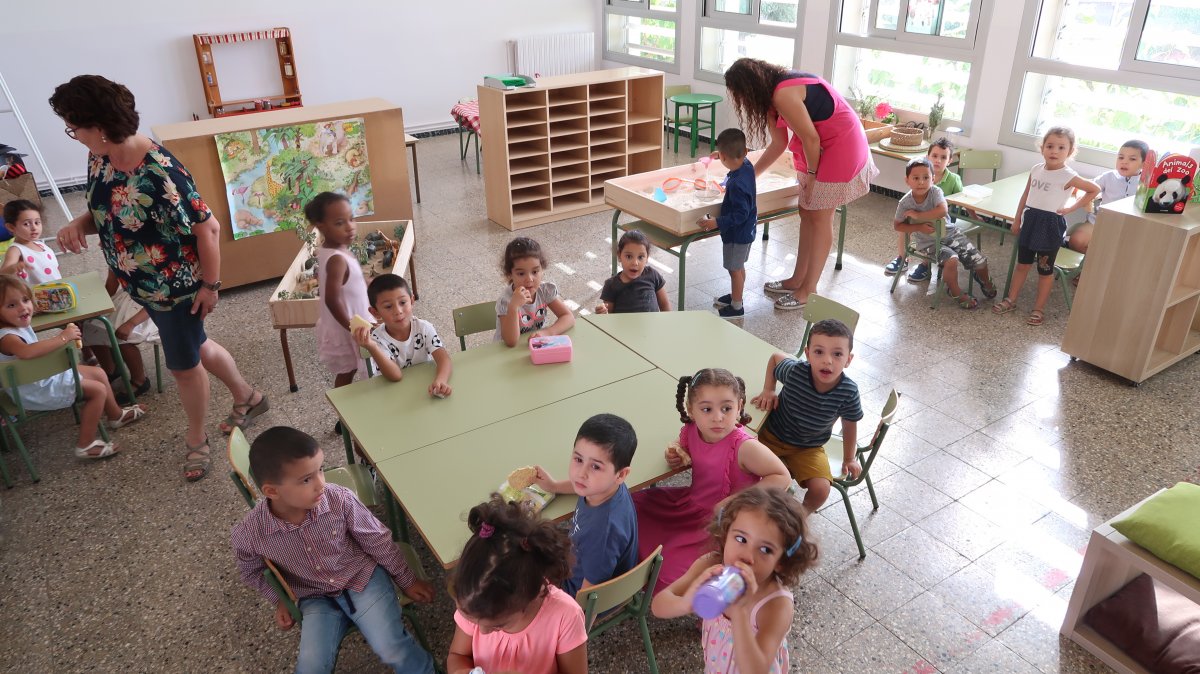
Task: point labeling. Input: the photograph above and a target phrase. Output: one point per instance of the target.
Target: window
(731, 29)
(642, 33)
(907, 52)
(1111, 70)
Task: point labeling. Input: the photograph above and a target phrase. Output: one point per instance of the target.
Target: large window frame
(640, 8)
(1170, 78)
(750, 22)
(969, 49)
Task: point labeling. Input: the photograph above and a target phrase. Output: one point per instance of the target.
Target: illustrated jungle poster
(270, 174)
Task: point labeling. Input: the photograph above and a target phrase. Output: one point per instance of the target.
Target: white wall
(423, 56)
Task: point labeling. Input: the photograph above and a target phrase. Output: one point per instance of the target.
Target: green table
(92, 303)
(491, 383)
(698, 103)
(994, 212)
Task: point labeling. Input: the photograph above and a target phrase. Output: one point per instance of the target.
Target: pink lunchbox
(552, 349)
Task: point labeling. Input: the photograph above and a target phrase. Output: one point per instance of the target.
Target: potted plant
(935, 115)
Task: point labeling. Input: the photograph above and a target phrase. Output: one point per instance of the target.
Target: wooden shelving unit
(548, 150)
(1137, 311)
(219, 107)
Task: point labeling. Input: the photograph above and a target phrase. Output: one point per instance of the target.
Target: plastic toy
(550, 349)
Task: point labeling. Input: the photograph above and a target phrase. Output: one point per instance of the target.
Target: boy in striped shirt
(338, 557)
(815, 394)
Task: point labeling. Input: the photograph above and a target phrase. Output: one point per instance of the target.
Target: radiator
(544, 55)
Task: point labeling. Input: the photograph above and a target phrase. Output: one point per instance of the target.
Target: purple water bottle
(718, 592)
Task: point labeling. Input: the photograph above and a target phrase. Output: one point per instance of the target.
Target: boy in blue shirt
(739, 213)
(604, 531)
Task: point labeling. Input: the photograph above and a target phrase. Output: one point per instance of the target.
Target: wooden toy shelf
(548, 150)
(1137, 311)
(219, 107)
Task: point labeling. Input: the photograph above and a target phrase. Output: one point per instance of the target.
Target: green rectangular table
(491, 383)
(994, 212)
(92, 303)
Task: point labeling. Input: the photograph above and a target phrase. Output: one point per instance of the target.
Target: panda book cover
(1167, 187)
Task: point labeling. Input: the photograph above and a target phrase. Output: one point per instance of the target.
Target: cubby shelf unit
(547, 150)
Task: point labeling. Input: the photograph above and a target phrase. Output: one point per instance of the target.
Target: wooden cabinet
(1135, 313)
(548, 150)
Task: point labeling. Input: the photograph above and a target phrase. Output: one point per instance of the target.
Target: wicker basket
(876, 131)
(907, 136)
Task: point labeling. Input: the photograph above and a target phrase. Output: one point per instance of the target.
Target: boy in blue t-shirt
(815, 394)
(739, 213)
(604, 531)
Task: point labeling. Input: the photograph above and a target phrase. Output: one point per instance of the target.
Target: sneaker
(730, 312)
(919, 274)
(895, 266)
(722, 301)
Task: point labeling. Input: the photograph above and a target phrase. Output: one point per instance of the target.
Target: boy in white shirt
(401, 339)
(1114, 185)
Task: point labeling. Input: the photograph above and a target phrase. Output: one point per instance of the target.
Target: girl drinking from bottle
(762, 536)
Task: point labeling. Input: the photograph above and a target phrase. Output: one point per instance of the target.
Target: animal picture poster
(270, 174)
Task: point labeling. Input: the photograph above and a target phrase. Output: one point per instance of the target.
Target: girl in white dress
(28, 257)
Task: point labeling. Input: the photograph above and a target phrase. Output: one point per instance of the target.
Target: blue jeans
(376, 613)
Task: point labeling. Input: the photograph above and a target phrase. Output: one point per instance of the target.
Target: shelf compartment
(528, 194)
(574, 200)
(608, 165)
(532, 178)
(526, 100)
(608, 152)
(606, 90)
(648, 135)
(600, 136)
(560, 188)
(531, 209)
(519, 165)
(598, 195)
(1177, 322)
(646, 99)
(607, 122)
(571, 111)
(528, 148)
(606, 108)
(568, 157)
(568, 95)
(599, 178)
(642, 162)
(525, 118)
(569, 126)
(570, 172)
(645, 118)
(572, 142)
(523, 134)
(1189, 267)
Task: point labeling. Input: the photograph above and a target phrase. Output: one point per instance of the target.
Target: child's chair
(819, 308)
(930, 258)
(1067, 266)
(866, 456)
(987, 160)
(20, 372)
(631, 593)
(685, 115)
(473, 319)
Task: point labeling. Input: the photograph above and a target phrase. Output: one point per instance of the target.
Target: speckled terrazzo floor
(1004, 456)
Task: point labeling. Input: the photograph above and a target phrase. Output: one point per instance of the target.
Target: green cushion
(1166, 526)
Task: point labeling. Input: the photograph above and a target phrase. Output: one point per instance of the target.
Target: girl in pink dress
(724, 458)
(829, 149)
(342, 289)
(763, 534)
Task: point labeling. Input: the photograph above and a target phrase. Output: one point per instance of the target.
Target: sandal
(776, 288)
(128, 416)
(1006, 305)
(788, 303)
(988, 289)
(964, 300)
(196, 461)
(243, 412)
(107, 449)
(1035, 318)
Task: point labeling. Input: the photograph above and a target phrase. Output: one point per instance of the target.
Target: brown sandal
(242, 413)
(1035, 318)
(196, 461)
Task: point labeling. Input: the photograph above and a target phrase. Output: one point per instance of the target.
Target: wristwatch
(211, 286)
(812, 171)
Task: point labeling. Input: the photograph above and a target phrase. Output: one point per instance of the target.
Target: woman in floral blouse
(160, 239)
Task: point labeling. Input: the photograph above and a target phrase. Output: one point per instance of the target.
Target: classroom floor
(1004, 456)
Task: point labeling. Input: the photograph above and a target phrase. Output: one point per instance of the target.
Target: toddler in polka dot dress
(28, 257)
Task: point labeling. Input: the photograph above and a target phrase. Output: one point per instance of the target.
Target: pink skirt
(831, 195)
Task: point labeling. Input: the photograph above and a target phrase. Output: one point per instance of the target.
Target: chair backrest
(980, 159)
(635, 586)
(885, 422)
(473, 319)
(20, 372)
(673, 90)
(239, 460)
(819, 308)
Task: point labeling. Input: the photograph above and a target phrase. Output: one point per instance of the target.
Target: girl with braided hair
(725, 459)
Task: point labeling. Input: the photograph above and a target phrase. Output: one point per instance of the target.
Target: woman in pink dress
(725, 459)
(829, 150)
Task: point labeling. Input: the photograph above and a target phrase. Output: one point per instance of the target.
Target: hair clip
(697, 375)
(525, 544)
(795, 546)
(486, 530)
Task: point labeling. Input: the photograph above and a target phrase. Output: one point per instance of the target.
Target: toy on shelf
(217, 106)
(1168, 185)
(507, 81)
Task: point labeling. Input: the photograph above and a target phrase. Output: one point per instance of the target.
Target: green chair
(1067, 265)
(631, 593)
(819, 308)
(866, 456)
(685, 115)
(930, 258)
(984, 160)
(473, 319)
(20, 372)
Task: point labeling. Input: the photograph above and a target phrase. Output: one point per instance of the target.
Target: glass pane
(779, 12)
(889, 14)
(1083, 33)
(855, 16)
(956, 15)
(923, 16)
(663, 5)
(1105, 115)
(1172, 33)
(641, 37)
(906, 81)
(733, 6)
(719, 48)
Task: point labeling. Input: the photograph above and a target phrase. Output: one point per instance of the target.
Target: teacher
(829, 149)
(160, 240)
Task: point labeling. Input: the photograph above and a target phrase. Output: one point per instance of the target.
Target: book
(1167, 184)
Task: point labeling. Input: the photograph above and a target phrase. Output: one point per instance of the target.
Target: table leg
(676, 128)
(613, 248)
(412, 273)
(118, 359)
(695, 129)
(841, 238)
(287, 360)
(416, 172)
(349, 444)
(1012, 264)
(682, 274)
(712, 128)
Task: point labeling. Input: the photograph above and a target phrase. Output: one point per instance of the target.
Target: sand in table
(686, 197)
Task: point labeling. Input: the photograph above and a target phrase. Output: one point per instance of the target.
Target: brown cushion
(1153, 624)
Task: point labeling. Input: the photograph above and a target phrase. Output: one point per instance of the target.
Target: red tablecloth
(467, 115)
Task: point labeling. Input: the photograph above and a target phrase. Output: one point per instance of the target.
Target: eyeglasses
(70, 133)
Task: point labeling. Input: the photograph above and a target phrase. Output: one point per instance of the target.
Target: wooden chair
(628, 598)
(20, 372)
(685, 115)
(473, 319)
(820, 308)
(866, 456)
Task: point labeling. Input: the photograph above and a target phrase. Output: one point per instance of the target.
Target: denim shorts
(734, 255)
(182, 333)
